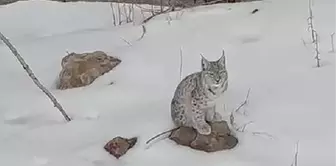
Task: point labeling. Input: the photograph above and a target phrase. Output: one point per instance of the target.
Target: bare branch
(124, 12)
(179, 14)
(314, 35)
(119, 13)
(263, 133)
(332, 42)
(128, 13)
(161, 5)
(156, 14)
(181, 63)
(153, 8)
(142, 13)
(296, 156)
(169, 19)
(143, 32)
(133, 13)
(243, 127)
(304, 43)
(113, 14)
(232, 118)
(127, 42)
(172, 8)
(245, 101)
(33, 77)
(205, 3)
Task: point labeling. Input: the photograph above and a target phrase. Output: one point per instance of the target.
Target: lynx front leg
(199, 122)
(212, 115)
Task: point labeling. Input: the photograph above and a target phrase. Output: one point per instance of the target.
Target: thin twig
(169, 19)
(314, 35)
(119, 13)
(133, 12)
(232, 118)
(205, 3)
(34, 78)
(156, 14)
(143, 32)
(127, 11)
(242, 128)
(181, 63)
(113, 14)
(152, 8)
(127, 42)
(304, 42)
(179, 14)
(245, 101)
(263, 133)
(332, 43)
(296, 156)
(161, 5)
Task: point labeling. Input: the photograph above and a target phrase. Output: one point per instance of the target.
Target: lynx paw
(214, 117)
(204, 129)
(217, 117)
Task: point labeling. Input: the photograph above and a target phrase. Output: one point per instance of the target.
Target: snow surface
(290, 98)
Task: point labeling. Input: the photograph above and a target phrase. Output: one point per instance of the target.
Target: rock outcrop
(79, 70)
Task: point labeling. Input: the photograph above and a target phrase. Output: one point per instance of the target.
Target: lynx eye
(211, 74)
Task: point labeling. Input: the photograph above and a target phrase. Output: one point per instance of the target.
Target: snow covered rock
(82, 69)
(219, 139)
(118, 146)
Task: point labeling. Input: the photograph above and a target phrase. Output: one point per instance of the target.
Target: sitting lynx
(193, 104)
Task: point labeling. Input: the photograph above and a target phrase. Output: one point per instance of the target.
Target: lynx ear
(205, 63)
(222, 60)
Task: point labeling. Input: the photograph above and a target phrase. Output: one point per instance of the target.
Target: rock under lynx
(193, 104)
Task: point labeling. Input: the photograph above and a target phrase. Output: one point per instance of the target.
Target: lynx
(193, 104)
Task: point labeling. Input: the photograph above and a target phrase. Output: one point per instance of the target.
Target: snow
(290, 98)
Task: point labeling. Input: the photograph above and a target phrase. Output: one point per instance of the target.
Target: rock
(183, 136)
(118, 146)
(219, 139)
(82, 69)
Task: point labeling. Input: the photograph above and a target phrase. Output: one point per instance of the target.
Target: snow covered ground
(290, 98)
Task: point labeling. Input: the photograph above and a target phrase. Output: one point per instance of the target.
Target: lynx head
(214, 73)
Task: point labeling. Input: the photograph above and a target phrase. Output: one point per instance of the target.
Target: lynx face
(214, 74)
(215, 78)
